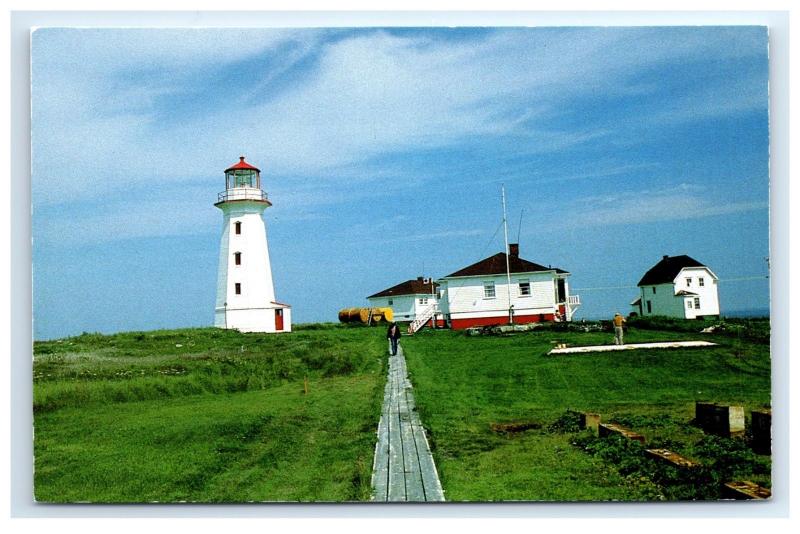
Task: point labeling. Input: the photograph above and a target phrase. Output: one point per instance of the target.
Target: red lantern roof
(242, 165)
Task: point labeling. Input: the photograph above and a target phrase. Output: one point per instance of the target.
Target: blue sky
(383, 151)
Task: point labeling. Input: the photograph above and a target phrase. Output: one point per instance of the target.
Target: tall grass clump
(135, 366)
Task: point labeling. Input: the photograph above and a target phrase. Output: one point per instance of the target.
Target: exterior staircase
(425, 316)
(573, 303)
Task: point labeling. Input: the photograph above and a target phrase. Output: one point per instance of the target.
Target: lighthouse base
(276, 319)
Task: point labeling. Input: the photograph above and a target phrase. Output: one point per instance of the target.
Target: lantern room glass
(243, 178)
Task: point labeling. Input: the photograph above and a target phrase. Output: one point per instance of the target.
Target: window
(238, 288)
(488, 290)
(649, 306)
(654, 290)
(689, 304)
(390, 302)
(524, 288)
(701, 282)
(237, 258)
(688, 282)
(237, 227)
(423, 300)
(697, 303)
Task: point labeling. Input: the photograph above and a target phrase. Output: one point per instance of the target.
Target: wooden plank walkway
(633, 346)
(403, 469)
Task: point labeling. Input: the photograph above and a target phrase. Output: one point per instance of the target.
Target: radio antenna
(508, 267)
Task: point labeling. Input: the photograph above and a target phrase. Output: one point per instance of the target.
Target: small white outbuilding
(678, 286)
(410, 301)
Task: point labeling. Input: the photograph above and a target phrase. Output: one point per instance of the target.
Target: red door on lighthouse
(278, 319)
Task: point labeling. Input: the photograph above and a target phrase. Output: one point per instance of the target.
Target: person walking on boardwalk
(619, 320)
(393, 335)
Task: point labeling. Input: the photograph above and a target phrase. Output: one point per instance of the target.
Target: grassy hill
(207, 415)
(464, 384)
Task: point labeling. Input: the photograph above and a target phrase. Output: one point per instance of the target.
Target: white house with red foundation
(245, 292)
(480, 294)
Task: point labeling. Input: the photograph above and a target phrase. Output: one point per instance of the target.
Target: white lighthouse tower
(245, 294)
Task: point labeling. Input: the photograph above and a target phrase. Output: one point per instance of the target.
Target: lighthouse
(245, 292)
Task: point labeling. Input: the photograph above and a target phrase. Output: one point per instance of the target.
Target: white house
(245, 293)
(409, 300)
(678, 286)
(480, 294)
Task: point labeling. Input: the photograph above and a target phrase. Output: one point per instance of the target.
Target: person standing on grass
(619, 320)
(393, 335)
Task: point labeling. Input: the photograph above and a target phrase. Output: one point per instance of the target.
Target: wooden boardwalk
(403, 469)
(633, 346)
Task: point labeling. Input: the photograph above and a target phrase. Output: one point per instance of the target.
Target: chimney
(513, 250)
(665, 256)
(419, 279)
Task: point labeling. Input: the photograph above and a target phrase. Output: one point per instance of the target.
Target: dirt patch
(514, 427)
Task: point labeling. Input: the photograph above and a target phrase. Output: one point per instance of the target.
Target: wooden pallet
(632, 346)
(672, 458)
(607, 429)
(745, 490)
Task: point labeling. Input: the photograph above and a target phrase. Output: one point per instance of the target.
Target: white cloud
(600, 170)
(367, 95)
(178, 50)
(434, 236)
(683, 202)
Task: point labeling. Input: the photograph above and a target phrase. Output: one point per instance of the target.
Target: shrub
(568, 422)
(751, 329)
(722, 459)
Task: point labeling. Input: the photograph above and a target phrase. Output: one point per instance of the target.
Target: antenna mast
(508, 268)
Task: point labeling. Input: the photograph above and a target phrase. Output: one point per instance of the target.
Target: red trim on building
(460, 324)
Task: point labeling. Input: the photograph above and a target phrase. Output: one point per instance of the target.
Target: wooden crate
(761, 426)
(591, 421)
(720, 419)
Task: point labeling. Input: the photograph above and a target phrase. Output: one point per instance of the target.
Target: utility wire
(762, 277)
(489, 243)
(740, 279)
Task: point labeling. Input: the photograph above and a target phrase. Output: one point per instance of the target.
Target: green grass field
(464, 384)
(207, 415)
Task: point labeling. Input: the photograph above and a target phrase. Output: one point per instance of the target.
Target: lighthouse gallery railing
(241, 194)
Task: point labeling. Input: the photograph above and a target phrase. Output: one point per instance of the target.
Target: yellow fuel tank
(365, 315)
(347, 315)
(387, 313)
